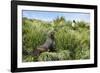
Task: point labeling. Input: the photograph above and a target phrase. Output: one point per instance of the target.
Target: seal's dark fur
(48, 45)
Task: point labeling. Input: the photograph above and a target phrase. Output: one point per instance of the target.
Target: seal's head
(51, 34)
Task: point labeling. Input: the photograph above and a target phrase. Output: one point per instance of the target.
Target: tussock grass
(71, 43)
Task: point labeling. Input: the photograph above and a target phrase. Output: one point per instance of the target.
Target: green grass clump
(54, 56)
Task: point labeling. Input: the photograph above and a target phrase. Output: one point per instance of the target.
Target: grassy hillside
(72, 43)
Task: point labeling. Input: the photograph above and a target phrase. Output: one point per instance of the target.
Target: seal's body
(48, 45)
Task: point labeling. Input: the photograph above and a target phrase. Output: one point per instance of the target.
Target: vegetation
(72, 43)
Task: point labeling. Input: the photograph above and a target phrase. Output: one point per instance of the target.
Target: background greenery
(72, 43)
